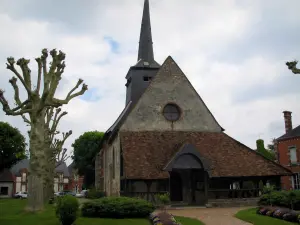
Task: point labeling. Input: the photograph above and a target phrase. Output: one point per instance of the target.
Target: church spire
(145, 54)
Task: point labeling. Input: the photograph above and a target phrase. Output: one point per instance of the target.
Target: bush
(163, 199)
(67, 209)
(117, 207)
(288, 199)
(94, 194)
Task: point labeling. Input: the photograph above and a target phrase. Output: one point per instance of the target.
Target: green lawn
(249, 215)
(11, 213)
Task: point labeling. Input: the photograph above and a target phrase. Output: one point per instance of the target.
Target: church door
(175, 187)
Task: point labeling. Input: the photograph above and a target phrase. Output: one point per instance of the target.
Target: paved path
(212, 216)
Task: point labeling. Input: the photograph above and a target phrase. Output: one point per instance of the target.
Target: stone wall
(112, 168)
(233, 202)
(170, 85)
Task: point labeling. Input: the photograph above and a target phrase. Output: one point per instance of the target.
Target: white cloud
(193, 34)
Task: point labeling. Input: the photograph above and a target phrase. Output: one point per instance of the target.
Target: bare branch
(293, 67)
(13, 82)
(13, 112)
(70, 96)
(23, 63)
(26, 120)
(11, 66)
(38, 84)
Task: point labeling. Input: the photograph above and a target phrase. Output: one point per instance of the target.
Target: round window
(171, 112)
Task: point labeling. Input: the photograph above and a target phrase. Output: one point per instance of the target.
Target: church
(167, 140)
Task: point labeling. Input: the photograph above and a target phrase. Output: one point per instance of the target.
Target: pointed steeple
(145, 54)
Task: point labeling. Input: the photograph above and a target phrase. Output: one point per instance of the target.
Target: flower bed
(163, 218)
(280, 213)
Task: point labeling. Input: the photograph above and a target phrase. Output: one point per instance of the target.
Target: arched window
(171, 112)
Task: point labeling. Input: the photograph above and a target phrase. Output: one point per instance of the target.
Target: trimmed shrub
(94, 194)
(117, 207)
(67, 209)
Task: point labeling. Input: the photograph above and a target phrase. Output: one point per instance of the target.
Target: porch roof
(147, 153)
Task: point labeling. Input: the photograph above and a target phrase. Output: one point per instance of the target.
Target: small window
(4, 191)
(171, 112)
(293, 154)
(296, 181)
(147, 78)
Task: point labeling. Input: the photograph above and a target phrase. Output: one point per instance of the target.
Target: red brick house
(75, 181)
(287, 147)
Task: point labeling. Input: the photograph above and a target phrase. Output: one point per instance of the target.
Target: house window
(4, 191)
(171, 112)
(296, 181)
(23, 177)
(293, 154)
(114, 164)
(147, 78)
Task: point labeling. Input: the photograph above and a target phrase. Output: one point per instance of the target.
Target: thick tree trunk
(49, 181)
(37, 165)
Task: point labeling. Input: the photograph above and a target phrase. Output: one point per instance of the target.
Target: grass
(250, 215)
(12, 213)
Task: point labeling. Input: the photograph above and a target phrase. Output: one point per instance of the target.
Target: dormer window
(147, 78)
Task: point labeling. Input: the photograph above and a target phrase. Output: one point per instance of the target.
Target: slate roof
(24, 164)
(292, 134)
(147, 153)
(6, 176)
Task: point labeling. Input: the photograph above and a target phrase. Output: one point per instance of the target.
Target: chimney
(287, 121)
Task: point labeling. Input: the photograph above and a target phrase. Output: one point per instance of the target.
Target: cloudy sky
(233, 52)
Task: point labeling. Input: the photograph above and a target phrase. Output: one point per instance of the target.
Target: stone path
(211, 216)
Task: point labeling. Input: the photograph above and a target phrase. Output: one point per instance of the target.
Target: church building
(167, 140)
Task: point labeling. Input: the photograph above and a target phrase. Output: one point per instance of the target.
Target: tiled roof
(6, 176)
(147, 153)
(292, 134)
(24, 164)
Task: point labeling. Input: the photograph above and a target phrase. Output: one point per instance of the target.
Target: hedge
(94, 194)
(117, 207)
(288, 199)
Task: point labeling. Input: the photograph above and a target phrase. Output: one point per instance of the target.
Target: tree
(55, 152)
(86, 148)
(293, 66)
(39, 99)
(264, 152)
(271, 146)
(12, 146)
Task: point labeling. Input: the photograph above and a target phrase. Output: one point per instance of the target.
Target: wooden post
(206, 186)
(148, 183)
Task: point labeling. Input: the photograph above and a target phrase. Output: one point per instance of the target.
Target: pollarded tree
(293, 66)
(38, 101)
(12, 146)
(54, 148)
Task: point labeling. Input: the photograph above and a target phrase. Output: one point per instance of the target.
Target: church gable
(170, 92)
